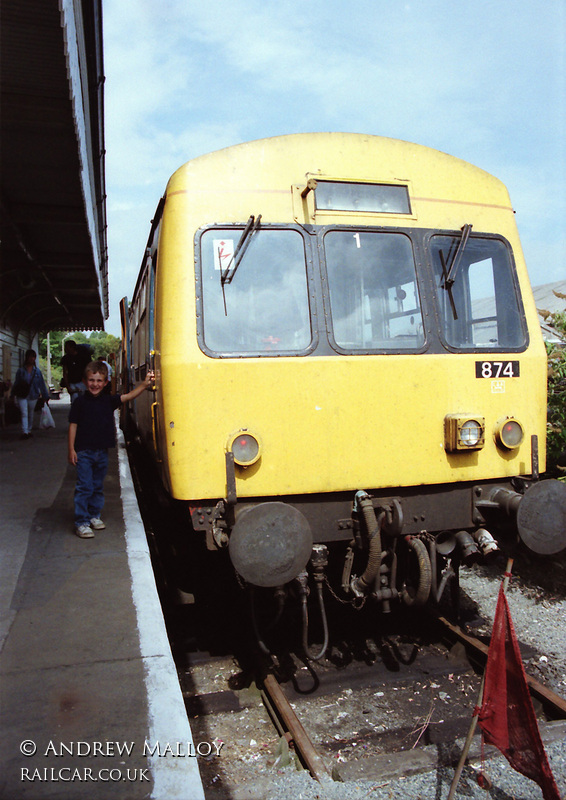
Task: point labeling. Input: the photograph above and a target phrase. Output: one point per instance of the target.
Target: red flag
(506, 716)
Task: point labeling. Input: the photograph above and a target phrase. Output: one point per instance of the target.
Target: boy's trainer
(97, 524)
(84, 531)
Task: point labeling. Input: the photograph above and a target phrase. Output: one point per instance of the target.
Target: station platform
(90, 704)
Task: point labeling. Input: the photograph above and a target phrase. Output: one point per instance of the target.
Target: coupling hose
(324, 647)
(373, 525)
(420, 597)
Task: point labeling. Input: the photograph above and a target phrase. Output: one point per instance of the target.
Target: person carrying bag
(21, 388)
(29, 386)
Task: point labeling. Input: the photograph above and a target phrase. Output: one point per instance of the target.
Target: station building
(89, 691)
(54, 264)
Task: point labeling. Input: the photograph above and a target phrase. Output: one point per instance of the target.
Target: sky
(483, 81)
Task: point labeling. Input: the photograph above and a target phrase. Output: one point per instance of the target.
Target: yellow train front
(350, 375)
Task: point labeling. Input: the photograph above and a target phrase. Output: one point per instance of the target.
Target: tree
(102, 344)
(556, 425)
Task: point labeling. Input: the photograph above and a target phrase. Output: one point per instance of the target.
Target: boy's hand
(72, 457)
(149, 378)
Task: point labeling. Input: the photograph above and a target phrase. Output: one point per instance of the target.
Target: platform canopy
(53, 270)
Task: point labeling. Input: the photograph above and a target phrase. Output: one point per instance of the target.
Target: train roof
(354, 155)
(443, 190)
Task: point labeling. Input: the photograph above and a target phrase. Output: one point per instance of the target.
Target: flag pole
(474, 722)
(507, 577)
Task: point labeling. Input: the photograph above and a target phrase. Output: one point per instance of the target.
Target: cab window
(257, 304)
(374, 297)
(478, 301)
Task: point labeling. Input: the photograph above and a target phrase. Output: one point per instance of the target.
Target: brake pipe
(361, 585)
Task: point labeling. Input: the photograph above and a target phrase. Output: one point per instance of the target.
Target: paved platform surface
(90, 704)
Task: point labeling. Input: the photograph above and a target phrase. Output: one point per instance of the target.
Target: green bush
(102, 343)
(556, 420)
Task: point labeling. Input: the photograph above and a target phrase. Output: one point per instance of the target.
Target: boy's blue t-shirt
(94, 417)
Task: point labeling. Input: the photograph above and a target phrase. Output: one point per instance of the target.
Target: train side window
(374, 297)
(480, 310)
(264, 308)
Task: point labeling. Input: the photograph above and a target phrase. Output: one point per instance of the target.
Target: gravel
(539, 617)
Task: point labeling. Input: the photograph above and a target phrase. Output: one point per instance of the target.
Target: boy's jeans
(92, 466)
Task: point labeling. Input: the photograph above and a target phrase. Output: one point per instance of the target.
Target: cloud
(184, 78)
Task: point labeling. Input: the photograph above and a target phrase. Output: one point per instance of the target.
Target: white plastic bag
(46, 420)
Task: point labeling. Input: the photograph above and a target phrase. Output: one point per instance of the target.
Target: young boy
(91, 433)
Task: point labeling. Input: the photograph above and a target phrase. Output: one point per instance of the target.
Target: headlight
(509, 433)
(463, 432)
(245, 447)
(471, 433)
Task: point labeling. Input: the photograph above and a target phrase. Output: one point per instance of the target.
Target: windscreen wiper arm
(450, 278)
(251, 227)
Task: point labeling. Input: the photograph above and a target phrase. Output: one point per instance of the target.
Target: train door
(151, 354)
(125, 349)
(151, 312)
(123, 376)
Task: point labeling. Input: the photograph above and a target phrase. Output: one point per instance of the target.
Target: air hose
(361, 585)
(420, 597)
(305, 614)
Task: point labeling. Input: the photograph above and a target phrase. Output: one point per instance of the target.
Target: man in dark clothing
(74, 362)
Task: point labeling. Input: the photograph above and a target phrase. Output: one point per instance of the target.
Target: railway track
(365, 722)
(554, 705)
(281, 709)
(377, 710)
(290, 726)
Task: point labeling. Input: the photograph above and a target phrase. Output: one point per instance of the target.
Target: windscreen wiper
(252, 225)
(449, 274)
(450, 278)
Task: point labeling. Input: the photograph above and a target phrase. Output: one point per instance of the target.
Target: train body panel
(347, 352)
(380, 420)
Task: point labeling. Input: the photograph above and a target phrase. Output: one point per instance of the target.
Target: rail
(552, 702)
(279, 707)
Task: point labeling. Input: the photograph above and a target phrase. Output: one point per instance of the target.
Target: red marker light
(245, 449)
(511, 434)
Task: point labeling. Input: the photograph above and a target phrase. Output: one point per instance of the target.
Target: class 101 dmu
(350, 377)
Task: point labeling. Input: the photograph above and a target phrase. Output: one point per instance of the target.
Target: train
(350, 377)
